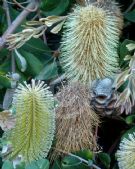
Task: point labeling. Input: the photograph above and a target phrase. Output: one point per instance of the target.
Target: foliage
(127, 96)
(32, 51)
(42, 164)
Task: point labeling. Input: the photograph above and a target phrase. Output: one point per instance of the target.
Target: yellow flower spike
(90, 41)
(35, 121)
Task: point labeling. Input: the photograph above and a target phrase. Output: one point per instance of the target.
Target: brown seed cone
(104, 97)
(75, 120)
(106, 108)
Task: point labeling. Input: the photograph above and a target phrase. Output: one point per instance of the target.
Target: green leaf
(7, 165)
(48, 5)
(5, 66)
(32, 165)
(34, 66)
(1, 11)
(130, 119)
(123, 50)
(39, 164)
(56, 165)
(130, 131)
(3, 53)
(3, 24)
(38, 48)
(4, 81)
(105, 159)
(14, 12)
(49, 71)
(85, 154)
(123, 47)
(130, 16)
(21, 62)
(43, 164)
(131, 46)
(70, 162)
(52, 7)
(20, 166)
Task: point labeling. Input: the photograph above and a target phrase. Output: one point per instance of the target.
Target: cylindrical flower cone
(90, 40)
(35, 121)
(75, 120)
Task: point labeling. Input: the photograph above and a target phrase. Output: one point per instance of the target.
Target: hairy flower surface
(126, 153)
(35, 121)
(75, 120)
(90, 40)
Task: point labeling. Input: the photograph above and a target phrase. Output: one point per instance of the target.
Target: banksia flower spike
(90, 40)
(35, 121)
(75, 120)
(126, 153)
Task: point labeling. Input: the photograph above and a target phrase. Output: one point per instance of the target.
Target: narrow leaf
(22, 64)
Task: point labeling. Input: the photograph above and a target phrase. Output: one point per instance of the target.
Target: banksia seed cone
(75, 120)
(126, 153)
(104, 97)
(90, 40)
(35, 121)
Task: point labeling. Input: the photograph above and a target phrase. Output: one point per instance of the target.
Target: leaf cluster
(34, 53)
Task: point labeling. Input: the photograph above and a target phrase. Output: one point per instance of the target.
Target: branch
(58, 80)
(12, 3)
(30, 10)
(6, 7)
(83, 160)
(79, 158)
(44, 36)
(16, 23)
(130, 7)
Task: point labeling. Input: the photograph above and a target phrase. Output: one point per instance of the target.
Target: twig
(29, 10)
(44, 37)
(34, 18)
(81, 159)
(15, 24)
(130, 7)
(12, 3)
(6, 7)
(13, 65)
(58, 80)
